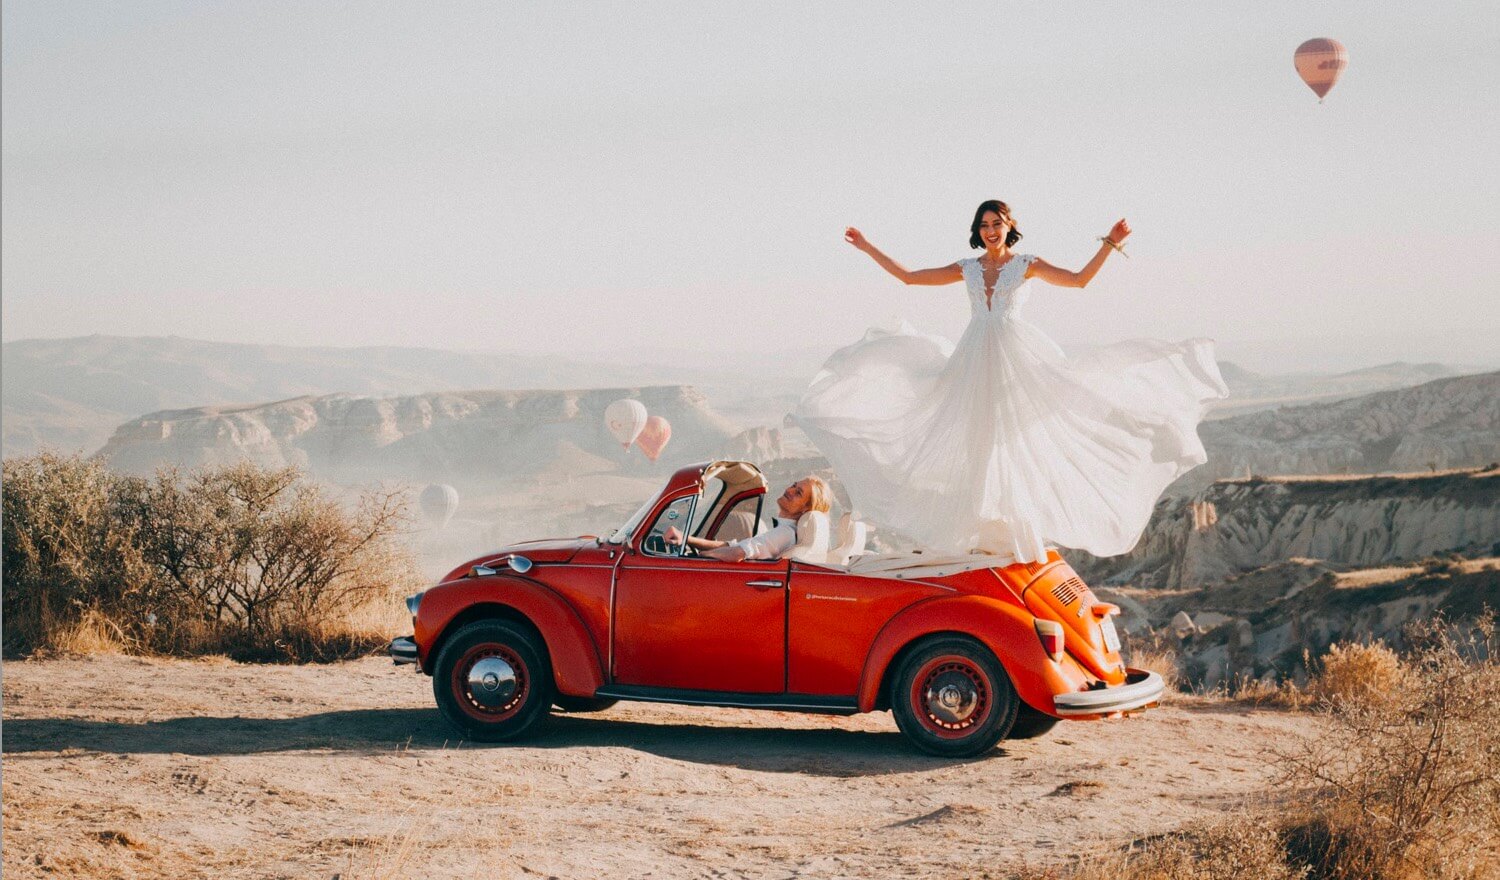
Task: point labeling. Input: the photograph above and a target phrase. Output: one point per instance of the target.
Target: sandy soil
(125, 767)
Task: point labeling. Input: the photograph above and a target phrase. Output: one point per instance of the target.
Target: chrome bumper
(403, 650)
(1141, 689)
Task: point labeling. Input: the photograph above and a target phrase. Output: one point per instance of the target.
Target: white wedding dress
(1001, 443)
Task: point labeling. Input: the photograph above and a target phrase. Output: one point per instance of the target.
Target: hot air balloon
(654, 437)
(1319, 63)
(625, 418)
(439, 501)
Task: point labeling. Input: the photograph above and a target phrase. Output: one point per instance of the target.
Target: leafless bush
(1407, 782)
(241, 560)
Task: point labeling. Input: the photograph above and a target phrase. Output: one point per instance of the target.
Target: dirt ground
(127, 767)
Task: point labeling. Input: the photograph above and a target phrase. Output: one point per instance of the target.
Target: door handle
(763, 585)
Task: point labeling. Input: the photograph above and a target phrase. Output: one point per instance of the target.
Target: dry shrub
(1405, 782)
(251, 562)
(1354, 673)
(1402, 782)
(66, 551)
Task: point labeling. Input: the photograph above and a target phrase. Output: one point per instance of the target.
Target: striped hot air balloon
(1319, 63)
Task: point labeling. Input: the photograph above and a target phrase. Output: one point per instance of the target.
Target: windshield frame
(623, 533)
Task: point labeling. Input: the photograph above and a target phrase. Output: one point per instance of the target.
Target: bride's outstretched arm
(1051, 274)
(940, 275)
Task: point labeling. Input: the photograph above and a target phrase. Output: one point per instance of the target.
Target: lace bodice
(1010, 289)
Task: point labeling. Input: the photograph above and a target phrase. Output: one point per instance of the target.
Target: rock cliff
(1447, 423)
(1237, 526)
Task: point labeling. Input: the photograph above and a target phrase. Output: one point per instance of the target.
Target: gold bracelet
(1114, 244)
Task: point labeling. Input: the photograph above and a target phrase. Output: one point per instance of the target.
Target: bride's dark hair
(1003, 210)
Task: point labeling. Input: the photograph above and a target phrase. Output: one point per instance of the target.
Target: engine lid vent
(1069, 591)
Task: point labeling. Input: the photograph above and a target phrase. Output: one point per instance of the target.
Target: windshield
(623, 533)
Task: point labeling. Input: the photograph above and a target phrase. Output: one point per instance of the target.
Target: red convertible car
(964, 651)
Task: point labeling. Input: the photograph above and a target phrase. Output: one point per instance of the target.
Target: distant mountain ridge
(472, 439)
(72, 393)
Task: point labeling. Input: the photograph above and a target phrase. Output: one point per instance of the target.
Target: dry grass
(1160, 660)
(92, 633)
(393, 856)
(1228, 848)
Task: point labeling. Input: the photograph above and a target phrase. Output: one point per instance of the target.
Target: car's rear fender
(576, 667)
(1008, 631)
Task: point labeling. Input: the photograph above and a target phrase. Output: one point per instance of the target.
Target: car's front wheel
(492, 681)
(951, 697)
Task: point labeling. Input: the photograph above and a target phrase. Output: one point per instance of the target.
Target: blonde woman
(801, 534)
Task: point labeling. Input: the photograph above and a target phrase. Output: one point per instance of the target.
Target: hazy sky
(579, 178)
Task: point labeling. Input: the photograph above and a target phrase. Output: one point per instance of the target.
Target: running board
(785, 702)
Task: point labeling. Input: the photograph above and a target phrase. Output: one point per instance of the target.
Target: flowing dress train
(1001, 443)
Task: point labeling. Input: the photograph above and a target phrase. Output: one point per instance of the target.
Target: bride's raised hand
(856, 238)
(1120, 231)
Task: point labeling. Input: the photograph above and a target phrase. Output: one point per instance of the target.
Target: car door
(692, 623)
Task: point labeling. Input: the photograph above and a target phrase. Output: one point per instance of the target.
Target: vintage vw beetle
(964, 650)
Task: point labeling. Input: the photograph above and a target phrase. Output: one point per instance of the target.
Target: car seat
(851, 541)
(812, 538)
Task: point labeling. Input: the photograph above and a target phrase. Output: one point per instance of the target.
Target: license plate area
(1111, 637)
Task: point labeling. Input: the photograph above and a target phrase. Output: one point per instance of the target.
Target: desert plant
(1357, 674)
(241, 560)
(66, 552)
(267, 556)
(1406, 782)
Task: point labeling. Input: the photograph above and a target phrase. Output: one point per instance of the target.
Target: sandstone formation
(475, 439)
(1350, 521)
(1447, 423)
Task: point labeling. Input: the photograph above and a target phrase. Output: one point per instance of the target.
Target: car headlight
(414, 602)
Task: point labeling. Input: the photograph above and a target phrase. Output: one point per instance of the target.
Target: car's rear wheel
(951, 697)
(492, 681)
(577, 705)
(1031, 724)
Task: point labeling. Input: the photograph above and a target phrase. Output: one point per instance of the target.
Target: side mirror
(520, 564)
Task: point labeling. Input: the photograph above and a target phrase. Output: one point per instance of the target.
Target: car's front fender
(1007, 630)
(576, 666)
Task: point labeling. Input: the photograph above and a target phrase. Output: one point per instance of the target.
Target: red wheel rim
(491, 682)
(951, 696)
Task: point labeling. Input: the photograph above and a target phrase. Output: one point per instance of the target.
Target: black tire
(952, 698)
(467, 668)
(1031, 724)
(580, 705)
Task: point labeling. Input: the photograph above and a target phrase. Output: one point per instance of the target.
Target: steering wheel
(656, 544)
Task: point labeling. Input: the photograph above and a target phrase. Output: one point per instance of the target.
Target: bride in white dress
(1001, 443)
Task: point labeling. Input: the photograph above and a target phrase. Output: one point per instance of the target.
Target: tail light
(1051, 634)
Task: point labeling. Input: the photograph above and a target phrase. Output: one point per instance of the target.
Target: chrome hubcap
(492, 682)
(951, 698)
